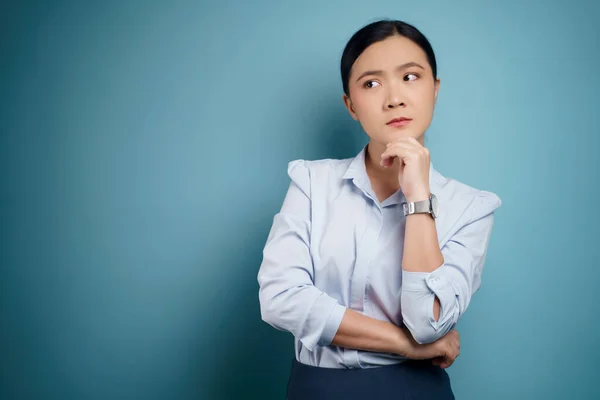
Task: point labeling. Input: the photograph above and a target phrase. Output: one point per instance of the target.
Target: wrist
(409, 348)
(405, 344)
(418, 196)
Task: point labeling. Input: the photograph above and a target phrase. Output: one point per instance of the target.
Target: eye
(414, 75)
(371, 84)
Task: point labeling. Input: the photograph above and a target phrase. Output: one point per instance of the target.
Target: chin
(396, 133)
(389, 134)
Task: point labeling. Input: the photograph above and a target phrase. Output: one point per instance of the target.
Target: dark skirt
(414, 380)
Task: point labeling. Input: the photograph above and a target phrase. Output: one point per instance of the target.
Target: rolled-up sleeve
(289, 301)
(455, 281)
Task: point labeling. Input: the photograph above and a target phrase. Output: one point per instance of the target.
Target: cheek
(426, 101)
(364, 105)
(426, 110)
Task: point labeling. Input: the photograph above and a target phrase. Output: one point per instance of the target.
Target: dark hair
(377, 32)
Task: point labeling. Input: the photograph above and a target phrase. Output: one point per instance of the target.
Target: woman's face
(392, 79)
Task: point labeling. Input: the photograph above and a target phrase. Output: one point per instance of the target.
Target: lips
(399, 120)
(402, 121)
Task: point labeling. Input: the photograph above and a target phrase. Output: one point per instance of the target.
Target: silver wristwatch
(429, 206)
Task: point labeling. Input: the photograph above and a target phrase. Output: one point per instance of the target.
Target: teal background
(143, 154)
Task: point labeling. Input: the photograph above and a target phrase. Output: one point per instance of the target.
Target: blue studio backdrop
(143, 154)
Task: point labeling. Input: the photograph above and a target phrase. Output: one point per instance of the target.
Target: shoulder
(318, 172)
(461, 204)
(458, 194)
(319, 167)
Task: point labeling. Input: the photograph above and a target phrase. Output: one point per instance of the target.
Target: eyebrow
(398, 68)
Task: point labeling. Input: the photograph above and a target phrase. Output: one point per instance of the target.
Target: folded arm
(290, 302)
(437, 284)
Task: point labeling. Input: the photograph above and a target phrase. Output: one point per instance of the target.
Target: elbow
(271, 298)
(419, 327)
(265, 313)
(282, 308)
(426, 334)
(269, 309)
(309, 314)
(424, 328)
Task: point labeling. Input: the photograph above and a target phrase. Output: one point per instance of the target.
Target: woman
(372, 260)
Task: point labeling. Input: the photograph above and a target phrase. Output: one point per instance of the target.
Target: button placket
(378, 217)
(363, 259)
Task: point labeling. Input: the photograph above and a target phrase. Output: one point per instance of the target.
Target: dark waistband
(378, 369)
(405, 380)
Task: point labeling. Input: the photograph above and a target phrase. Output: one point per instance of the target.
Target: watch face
(434, 206)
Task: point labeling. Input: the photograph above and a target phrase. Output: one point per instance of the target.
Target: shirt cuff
(323, 322)
(332, 325)
(435, 283)
(423, 281)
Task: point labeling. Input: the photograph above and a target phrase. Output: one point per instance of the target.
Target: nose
(395, 104)
(394, 98)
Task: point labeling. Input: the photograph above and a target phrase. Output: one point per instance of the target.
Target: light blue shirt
(334, 246)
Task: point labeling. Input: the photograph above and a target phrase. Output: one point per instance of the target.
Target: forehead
(388, 54)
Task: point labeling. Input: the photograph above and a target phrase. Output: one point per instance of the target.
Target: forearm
(358, 331)
(421, 249)
(437, 291)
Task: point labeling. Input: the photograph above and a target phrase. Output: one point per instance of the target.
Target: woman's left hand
(413, 174)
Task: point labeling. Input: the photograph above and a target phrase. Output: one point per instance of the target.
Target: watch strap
(417, 207)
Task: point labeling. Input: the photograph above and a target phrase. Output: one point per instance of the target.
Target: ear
(437, 87)
(349, 106)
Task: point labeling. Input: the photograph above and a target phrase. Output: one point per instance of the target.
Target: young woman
(372, 260)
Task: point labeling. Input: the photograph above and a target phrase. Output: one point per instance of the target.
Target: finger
(409, 144)
(413, 146)
(449, 360)
(399, 151)
(450, 356)
(404, 150)
(388, 159)
(404, 145)
(414, 141)
(410, 140)
(387, 162)
(443, 363)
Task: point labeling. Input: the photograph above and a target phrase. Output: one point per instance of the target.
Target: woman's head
(389, 71)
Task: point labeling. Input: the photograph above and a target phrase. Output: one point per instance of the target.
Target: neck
(378, 174)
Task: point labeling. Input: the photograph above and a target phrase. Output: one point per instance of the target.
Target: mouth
(399, 122)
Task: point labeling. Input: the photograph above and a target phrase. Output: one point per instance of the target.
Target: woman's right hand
(443, 351)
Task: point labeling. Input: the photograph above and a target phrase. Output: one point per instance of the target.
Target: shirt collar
(357, 167)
